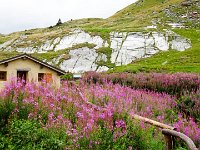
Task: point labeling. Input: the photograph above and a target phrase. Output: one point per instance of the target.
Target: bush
(43, 117)
(130, 137)
(189, 105)
(174, 84)
(11, 107)
(67, 76)
(6, 108)
(26, 134)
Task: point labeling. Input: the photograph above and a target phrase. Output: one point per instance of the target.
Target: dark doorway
(22, 75)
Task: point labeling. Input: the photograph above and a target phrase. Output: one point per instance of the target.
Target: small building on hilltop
(28, 68)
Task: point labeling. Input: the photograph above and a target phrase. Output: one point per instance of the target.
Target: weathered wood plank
(186, 139)
(152, 122)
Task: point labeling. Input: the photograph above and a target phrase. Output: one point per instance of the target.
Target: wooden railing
(152, 122)
(169, 132)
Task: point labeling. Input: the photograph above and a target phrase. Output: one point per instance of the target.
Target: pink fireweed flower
(90, 123)
(188, 127)
(148, 109)
(60, 117)
(120, 124)
(51, 115)
(110, 113)
(102, 116)
(79, 115)
(80, 107)
(52, 105)
(30, 115)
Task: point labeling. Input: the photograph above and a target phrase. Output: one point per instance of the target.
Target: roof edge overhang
(35, 60)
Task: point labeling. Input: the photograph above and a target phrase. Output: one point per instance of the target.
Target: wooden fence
(169, 132)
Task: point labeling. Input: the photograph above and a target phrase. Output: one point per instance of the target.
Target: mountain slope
(171, 61)
(106, 43)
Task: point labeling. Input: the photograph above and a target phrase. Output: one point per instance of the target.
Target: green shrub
(188, 105)
(135, 137)
(26, 134)
(6, 108)
(5, 142)
(67, 76)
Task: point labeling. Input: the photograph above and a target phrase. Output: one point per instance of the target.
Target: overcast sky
(18, 15)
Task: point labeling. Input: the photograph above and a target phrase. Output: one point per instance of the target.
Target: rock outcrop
(126, 47)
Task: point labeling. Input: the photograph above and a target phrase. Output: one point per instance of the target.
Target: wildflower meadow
(96, 112)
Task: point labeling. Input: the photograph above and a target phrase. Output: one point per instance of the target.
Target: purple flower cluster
(81, 109)
(188, 127)
(174, 84)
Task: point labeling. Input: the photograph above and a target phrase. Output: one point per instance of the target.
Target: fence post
(170, 134)
(169, 141)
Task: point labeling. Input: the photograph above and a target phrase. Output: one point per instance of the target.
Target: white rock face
(55, 61)
(47, 46)
(82, 60)
(102, 69)
(151, 27)
(79, 37)
(126, 47)
(27, 50)
(6, 44)
(161, 41)
(180, 44)
(106, 44)
(56, 41)
(176, 25)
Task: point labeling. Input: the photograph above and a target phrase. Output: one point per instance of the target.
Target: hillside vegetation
(171, 61)
(98, 114)
(135, 17)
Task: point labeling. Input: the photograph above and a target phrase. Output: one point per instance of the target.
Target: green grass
(107, 51)
(102, 32)
(36, 36)
(3, 39)
(6, 54)
(132, 18)
(187, 61)
(139, 15)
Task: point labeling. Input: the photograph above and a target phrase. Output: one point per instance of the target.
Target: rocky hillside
(144, 29)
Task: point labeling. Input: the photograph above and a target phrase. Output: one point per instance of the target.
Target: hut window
(44, 77)
(3, 75)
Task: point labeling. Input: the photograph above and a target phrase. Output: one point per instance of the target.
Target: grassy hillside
(147, 12)
(171, 61)
(134, 17)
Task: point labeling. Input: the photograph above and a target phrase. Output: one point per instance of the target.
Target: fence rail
(169, 134)
(168, 131)
(152, 122)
